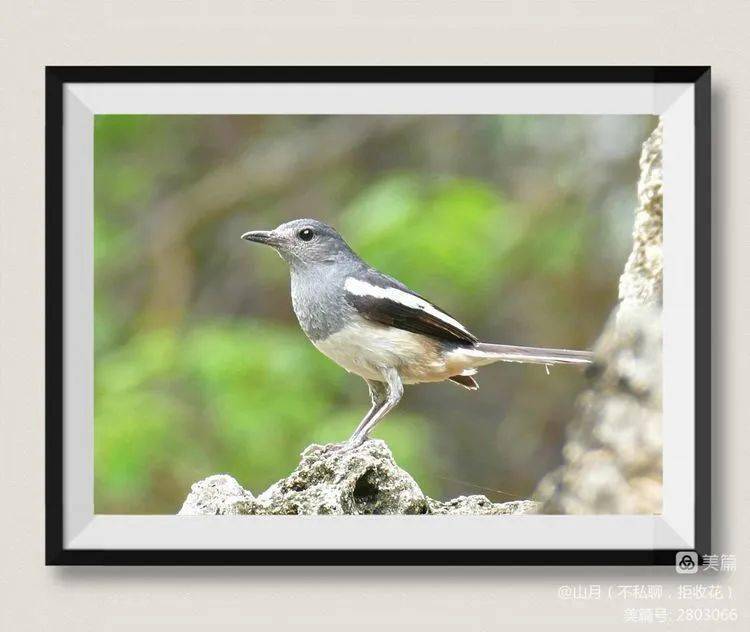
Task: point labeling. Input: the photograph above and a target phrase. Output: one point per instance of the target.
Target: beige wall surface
(33, 34)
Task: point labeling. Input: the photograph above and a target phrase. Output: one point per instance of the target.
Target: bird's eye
(306, 234)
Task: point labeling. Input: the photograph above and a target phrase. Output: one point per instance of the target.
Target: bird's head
(303, 242)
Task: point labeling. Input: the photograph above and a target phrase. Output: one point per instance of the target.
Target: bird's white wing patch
(363, 288)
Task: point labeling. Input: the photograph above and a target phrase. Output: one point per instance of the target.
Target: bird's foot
(347, 446)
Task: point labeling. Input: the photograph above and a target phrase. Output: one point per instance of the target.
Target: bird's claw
(345, 446)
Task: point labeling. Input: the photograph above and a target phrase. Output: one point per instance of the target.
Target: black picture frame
(58, 76)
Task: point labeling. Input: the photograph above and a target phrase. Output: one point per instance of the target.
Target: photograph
(298, 319)
(457, 275)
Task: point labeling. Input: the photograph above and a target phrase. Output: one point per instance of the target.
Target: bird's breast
(318, 309)
(367, 349)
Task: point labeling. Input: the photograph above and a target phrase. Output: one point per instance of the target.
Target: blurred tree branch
(268, 168)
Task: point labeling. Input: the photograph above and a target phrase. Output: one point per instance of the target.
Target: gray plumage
(375, 326)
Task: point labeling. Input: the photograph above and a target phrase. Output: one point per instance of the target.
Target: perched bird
(376, 327)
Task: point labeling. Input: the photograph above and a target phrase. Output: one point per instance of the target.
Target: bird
(374, 326)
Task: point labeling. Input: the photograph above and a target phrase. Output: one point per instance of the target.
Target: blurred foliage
(167, 402)
(200, 365)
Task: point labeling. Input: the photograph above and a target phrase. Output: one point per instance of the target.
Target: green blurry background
(518, 225)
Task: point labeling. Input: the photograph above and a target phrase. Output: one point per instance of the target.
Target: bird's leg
(378, 396)
(394, 389)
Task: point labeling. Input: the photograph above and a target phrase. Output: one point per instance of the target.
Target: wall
(33, 597)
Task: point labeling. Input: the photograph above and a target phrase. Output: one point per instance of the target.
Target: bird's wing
(381, 299)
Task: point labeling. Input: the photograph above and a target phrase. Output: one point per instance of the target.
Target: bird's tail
(488, 353)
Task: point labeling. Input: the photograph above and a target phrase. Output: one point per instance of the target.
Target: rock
(641, 282)
(358, 482)
(613, 454)
(362, 481)
(480, 506)
(216, 495)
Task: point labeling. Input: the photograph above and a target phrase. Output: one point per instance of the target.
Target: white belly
(367, 348)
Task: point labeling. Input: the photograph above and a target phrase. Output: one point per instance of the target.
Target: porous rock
(364, 481)
(217, 495)
(479, 506)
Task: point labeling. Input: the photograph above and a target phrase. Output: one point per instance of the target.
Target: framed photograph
(485, 340)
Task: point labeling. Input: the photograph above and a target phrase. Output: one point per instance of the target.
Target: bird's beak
(261, 236)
